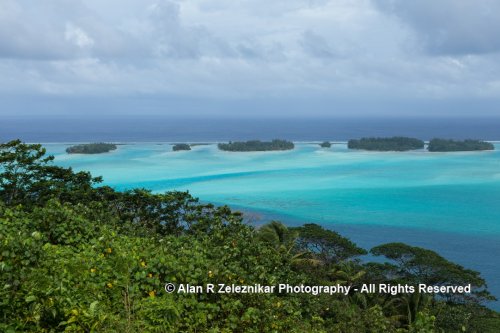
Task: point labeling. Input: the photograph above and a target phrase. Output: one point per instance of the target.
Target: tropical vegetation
(91, 148)
(443, 145)
(397, 143)
(325, 144)
(181, 146)
(256, 145)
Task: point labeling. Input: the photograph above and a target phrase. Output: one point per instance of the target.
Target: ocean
(447, 202)
(154, 128)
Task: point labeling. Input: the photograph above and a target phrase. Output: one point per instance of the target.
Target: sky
(240, 58)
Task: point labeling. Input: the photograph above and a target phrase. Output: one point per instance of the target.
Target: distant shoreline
(198, 143)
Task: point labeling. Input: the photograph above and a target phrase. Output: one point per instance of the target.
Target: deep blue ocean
(447, 202)
(196, 129)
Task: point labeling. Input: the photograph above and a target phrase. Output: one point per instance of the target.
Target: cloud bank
(244, 50)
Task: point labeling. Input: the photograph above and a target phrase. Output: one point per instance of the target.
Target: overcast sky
(279, 57)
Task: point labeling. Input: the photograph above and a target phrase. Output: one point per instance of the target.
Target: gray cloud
(449, 26)
(56, 29)
(172, 39)
(316, 45)
(250, 49)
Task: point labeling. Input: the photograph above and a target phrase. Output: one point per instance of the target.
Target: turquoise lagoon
(449, 202)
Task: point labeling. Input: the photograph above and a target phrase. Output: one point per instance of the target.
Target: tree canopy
(181, 146)
(256, 145)
(397, 143)
(91, 148)
(425, 266)
(328, 245)
(443, 145)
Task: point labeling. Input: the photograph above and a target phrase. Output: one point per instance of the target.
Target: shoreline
(199, 143)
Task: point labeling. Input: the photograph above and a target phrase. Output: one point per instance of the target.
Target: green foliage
(21, 251)
(424, 323)
(325, 144)
(27, 177)
(21, 167)
(277, 235)
(168, 213)
(181, 146)
(326, 245)
(91, 148)
(256, 145)
(418, 265)
(443, 145)
(397, 143)
(64, 224)
(465, 318)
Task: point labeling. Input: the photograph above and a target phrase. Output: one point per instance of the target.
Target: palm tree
(283, 240)
(413, 304)
(346, 273)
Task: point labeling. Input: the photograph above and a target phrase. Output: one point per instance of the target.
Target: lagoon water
(448, 202)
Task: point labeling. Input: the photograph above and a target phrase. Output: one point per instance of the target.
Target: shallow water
(449, 202)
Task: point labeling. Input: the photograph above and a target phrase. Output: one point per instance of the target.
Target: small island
(91, 148)
(181, 146)
(443, 145)
(256, 145)
(397, 143)
(325, 144)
